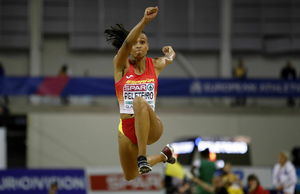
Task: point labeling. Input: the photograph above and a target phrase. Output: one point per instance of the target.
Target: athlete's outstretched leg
(166, 155)
(155, 159)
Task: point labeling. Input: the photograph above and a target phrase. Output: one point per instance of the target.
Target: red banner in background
(116, 182)
(53, 85)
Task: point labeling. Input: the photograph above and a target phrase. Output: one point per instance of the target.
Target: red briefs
(126, 127)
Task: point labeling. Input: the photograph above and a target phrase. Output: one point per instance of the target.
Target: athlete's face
(140, 47)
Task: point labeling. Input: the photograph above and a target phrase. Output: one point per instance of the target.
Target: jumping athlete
(136, 85)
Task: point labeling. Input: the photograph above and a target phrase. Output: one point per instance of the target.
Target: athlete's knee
(139, 103)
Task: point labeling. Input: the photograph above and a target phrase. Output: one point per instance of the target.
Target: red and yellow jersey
(132, 85)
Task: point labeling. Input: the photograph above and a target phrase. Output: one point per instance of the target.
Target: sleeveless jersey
(132, 85)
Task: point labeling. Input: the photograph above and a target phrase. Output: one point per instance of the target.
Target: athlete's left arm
(161, 62)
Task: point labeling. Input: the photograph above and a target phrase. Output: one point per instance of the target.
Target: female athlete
(136, 85)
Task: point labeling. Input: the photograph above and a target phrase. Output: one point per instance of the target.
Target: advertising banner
(180, 87)
(111, 180)
(39, 181)
(116, 182)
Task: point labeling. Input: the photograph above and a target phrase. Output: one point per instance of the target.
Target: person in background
(254, 186)
(217, 186)
(228, 175)
(2, 75)
(240, 72)
(206, 171)
(2, 71)
(4, 115)
(175, 179)
(64, 72)
(53, 188)
(284, 175)
(231, 181)
(287, 73)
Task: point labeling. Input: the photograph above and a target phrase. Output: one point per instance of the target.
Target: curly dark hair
(116, 35)
(253, 177)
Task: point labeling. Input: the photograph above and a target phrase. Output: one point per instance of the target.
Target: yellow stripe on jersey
(121, 127)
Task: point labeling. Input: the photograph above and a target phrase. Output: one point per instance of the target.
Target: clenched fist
(169, 52)
(150, 13)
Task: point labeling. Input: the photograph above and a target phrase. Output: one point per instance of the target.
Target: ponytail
(116, 35)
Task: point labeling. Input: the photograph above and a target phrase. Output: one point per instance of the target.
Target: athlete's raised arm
(122, 55)
(161, 62)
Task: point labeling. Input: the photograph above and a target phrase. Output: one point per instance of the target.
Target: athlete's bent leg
(148, 129)
(156, 127)
(128, 153)
(142, 124)
(148, 126)
(142, 128)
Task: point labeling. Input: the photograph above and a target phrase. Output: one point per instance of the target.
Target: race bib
(144, 90)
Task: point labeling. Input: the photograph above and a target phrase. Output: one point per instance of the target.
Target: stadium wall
(56, 52)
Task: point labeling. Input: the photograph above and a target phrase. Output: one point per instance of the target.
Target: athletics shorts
(126, 127)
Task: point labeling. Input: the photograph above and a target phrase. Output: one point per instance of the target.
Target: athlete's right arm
(120, 59)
